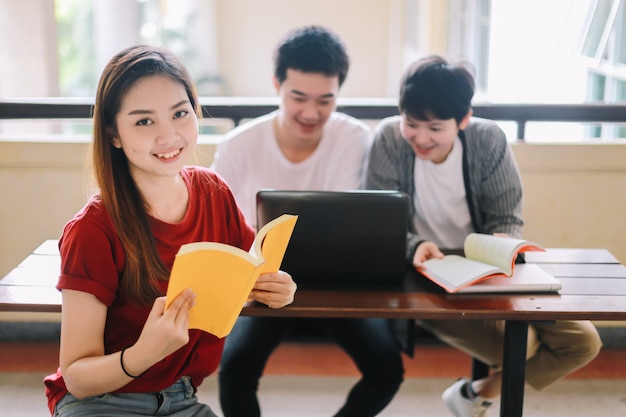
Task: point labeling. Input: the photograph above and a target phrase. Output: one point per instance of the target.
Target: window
(561, 51)
(603, 50)
(524, 51)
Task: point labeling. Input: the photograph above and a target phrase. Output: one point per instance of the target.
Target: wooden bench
(594, 288)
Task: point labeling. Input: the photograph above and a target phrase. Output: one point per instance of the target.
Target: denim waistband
(182, 385)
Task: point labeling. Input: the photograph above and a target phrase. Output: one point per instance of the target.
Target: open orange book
(486, 256)
(222, 276)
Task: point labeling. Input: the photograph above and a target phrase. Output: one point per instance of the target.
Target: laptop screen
(341, 237)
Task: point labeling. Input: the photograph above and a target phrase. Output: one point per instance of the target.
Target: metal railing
(239, 108)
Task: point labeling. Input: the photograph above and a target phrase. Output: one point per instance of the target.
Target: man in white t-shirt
(327, 153)
(304, 145)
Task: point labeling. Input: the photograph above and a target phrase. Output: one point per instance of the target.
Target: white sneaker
(461, 406)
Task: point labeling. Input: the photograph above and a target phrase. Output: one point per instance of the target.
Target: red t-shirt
(92, 260)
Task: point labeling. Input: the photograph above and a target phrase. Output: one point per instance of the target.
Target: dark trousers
(369, 342)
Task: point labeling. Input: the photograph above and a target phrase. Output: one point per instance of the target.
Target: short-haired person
(304, 145)
(462, 177)
(122, 353)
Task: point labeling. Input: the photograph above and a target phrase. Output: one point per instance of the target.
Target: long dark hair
(118, 191)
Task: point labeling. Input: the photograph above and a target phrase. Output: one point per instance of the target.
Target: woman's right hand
(165, 331)
(87, 370)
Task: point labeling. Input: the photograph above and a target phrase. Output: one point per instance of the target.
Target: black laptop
(342, 237)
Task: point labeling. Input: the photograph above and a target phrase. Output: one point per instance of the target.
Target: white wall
(575, 195)
(247, 40)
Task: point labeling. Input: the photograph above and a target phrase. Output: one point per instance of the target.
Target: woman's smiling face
(157, 127)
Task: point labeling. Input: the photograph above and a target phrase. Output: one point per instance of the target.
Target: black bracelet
(124, 369)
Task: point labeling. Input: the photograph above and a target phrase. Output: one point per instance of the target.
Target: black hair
(433, 88)
(311, 49)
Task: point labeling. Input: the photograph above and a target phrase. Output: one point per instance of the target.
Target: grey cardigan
(492, 182)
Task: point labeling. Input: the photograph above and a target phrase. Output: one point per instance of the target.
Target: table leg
(514, 368)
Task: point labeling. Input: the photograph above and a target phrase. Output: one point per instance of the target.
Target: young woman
(122, 353)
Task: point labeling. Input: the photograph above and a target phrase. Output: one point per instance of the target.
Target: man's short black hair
(311, 49)
(431, 88)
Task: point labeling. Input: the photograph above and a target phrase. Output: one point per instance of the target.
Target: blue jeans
(178, 400)
(369, 342)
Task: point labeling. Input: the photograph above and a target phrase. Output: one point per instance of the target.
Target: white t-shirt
(249, 159)
(441, 212)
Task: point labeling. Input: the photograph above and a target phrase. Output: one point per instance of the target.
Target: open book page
(527, 278)
(272, 240)
(454, 272)
(222, 276)
(496, 250)
(221, 247)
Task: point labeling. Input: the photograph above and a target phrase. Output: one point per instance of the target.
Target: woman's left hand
(274, 289)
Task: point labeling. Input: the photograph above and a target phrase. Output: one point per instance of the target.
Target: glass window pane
(554, 132)
(596, 27)
(619, 35)
(620, 131)
(75, 38)
(597, 85)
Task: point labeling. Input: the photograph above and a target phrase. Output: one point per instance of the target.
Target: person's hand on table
(274, 289)
(425, 251)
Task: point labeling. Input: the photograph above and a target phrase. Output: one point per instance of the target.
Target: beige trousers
(554, 349)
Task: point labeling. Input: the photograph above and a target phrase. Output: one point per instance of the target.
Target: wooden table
(594, 288)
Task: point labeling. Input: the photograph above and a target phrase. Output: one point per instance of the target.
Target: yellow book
(486, 256)
(222, 276)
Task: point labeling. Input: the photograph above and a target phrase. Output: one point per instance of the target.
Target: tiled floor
(296, 386)
(431, 361)
(21, 395)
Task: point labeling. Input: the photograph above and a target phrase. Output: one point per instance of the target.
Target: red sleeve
(92, 257)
